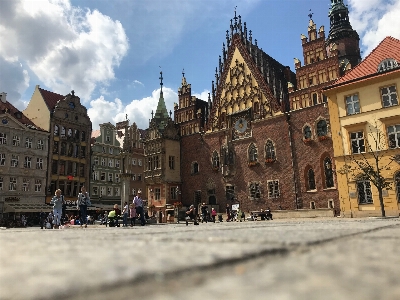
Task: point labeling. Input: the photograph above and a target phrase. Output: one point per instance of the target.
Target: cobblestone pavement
(283, 259)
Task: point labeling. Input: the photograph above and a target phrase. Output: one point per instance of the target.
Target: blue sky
(111, 52)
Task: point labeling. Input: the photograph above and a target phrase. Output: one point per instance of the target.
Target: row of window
(69, 149)
(68, 188)
(389, 98)
(24, 186)
(16, 141)
(106, 191)
(64, 132)
(104, 162)
(103, 176)
(14, 162)
(357, 139)
(66, 167)
(110, 150)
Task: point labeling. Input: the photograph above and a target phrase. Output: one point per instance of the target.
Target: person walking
(228, 213)
(191, 215)
(138, 203)
(57, 202)
(213, 214)
(82, 204)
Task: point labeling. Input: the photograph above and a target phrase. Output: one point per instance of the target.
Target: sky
(111, 52)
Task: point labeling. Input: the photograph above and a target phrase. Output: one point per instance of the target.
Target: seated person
(268, 214)
(112, 217)
(191, 215)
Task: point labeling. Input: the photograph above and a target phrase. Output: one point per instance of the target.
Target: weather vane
(310, 14)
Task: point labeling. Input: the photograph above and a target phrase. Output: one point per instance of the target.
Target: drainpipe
(292, 157)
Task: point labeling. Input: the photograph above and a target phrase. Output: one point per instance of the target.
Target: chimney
(3, 97)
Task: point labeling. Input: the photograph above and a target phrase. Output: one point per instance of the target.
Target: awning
(26, 207)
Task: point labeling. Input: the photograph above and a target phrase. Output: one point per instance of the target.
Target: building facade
(105, 185)
(266, 138)
(365, 122)
(69, 165)
(23, 162)
(162, 154)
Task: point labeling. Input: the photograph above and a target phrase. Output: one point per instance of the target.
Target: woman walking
(82, 204)
(57, 202)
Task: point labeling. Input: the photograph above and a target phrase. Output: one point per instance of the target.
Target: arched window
(195, 168)
(56, 130)
(314, 99)
(397, 184)
(270, 150)
(62, 131)
(310, 180)
(256, 107)
(328, 172)
(252, 153)
(307, 132)
(215, 160)
(322, 128)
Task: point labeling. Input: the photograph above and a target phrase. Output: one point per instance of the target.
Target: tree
(369, 165)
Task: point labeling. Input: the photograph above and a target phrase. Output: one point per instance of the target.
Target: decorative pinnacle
(183, 72)
(161, 79)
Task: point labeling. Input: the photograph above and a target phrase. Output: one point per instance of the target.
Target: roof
(96, 133)
(388, 48)
(7, 107)
(50, 98)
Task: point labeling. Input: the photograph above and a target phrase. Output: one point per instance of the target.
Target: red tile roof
(95, 133)
(388, 48)
(10, 109)
(50, 98)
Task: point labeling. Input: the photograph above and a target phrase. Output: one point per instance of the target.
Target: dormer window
(387, 64)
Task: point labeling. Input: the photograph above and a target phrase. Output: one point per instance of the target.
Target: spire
(161, 112)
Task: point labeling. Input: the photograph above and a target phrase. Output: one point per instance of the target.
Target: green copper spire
(161, 115)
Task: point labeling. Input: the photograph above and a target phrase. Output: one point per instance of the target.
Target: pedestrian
(82, 203)
(191, 215)
(228, 213)
(213, 214)
(57, 202)
(138, 202)
(204, 212)
(42, 217)
(132, 211)
(268, 215)
(125, 212)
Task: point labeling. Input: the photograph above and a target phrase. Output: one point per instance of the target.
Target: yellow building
(365, 122)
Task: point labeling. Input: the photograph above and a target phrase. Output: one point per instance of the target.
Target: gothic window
(364, 192)
(252, 153)
(273, 188)
(215, 160)
(256, 107)
(322, 128)
(222, 120)
(270, 151)
(195, 168)
(310, 180)
(254, 189)
(328, 173)
(307, 132)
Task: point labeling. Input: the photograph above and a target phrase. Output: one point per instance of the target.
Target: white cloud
(138, 111)
(66, 47)
(203, 95)
(374, 20)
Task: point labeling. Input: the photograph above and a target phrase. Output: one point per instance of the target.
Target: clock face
(72, 105)
(4, 121)
(241, 125)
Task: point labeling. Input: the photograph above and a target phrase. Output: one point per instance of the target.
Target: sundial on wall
(241, 125)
